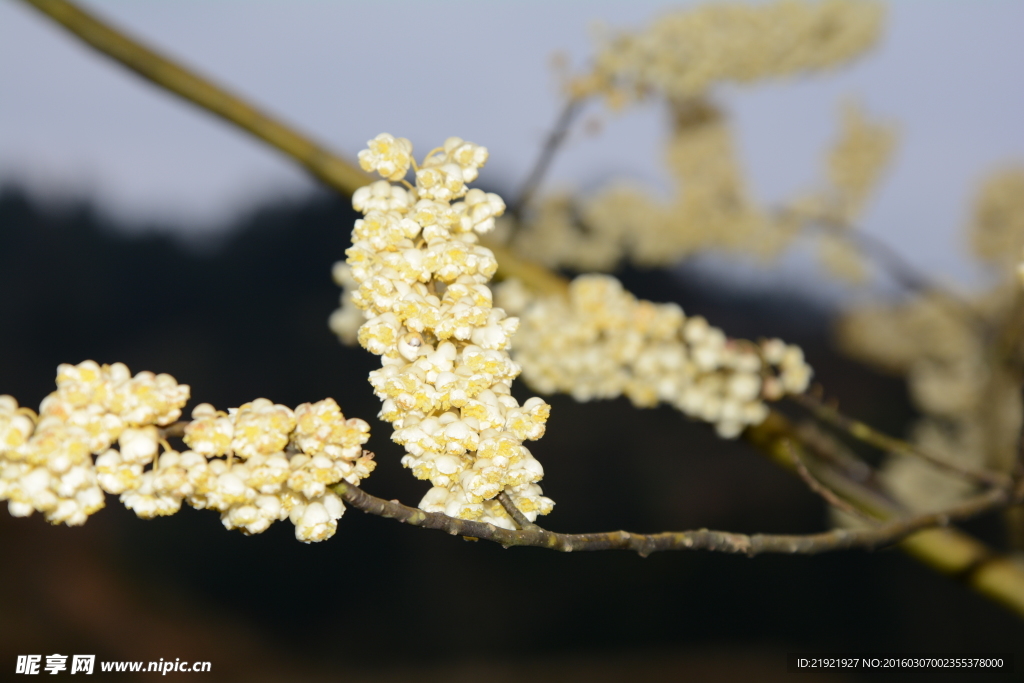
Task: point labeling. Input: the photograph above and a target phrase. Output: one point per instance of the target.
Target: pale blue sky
(949, 73)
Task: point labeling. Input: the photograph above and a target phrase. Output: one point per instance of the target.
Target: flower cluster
(387, 155)
(255, 464)
(971, 407)
(679, 59)
(419, 275)
(601, 342)
(46, 461)
(712, 208)
(857, 160)
(961, 381)
(997, 226)
(280, 464)
(682, 55)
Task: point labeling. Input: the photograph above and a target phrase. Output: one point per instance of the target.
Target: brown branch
(826, 493)
(115, 43)
(872, 436)
(1018, 466)
(827, 447)
(515, 513)
(899, 269)
(948, 551)
(701, 539)
(547, 154)
(175, 430)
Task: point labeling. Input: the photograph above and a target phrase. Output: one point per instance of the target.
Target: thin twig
(872, 436)
(1018, 466)
(900, 270)
(547, 154)
(826, 493)
(174, 430)
(828, 448)
(515, 513)
(701, 539)
(946, 550)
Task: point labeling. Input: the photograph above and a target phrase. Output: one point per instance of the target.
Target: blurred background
(136, 229)
(74, 124)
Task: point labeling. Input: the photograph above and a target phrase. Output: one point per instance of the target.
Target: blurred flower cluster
(683, 54)
(600, 342)
(678, 61)
(963, 370)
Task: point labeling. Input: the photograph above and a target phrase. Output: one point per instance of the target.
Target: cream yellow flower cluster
(420, 278)
(857, 160)
(682, 55)
(388, 156)
(46, 461)
(279, 463)
(961, 375)
(601, 342)
(712, 208)
(967, 391)
(971, 406)
(997, 225)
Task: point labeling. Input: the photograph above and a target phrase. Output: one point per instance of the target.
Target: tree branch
(899, 269)
(701, 539)
(328, 167)
(828, 448)
(826, 493)
(116, 44)
(547, 154)
(872, 436)
(948, 551)
(517, 516)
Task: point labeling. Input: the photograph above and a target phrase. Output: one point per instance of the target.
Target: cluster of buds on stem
(684, 54)
(419, 277)
(602, 342)
(277, 464)
(256, 464)
(46, 462)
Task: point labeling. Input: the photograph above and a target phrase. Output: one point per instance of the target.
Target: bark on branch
(700, 539)
(869, 435)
